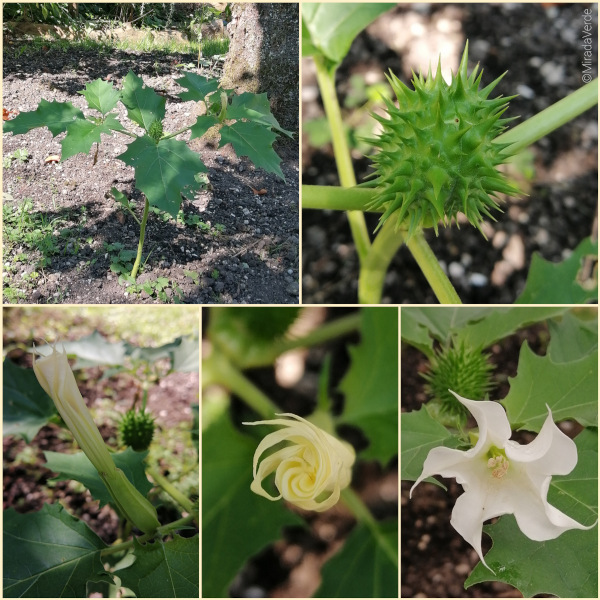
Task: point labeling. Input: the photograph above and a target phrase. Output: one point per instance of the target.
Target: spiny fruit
(437, 154)
(137, 429)
(462, 370)
(155, 131)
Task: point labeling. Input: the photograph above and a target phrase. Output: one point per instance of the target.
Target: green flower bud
(137, 429)
(437, 156)
(56, 377)
(155, 131)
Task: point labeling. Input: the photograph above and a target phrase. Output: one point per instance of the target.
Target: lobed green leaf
(254, 141)
(164, 171)
(164, 569)
(563, 282)
(570, 389)
(52, 554)
(198, 87)
(26, 406)
(254, 107)
(101, 95)
(371, 384)
(56, 116)
(144, 105)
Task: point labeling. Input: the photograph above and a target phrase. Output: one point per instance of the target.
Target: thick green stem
(343, 160)
(551, 118)
(326, 197)
(373, 270)
(138, 258)
(161, 531)
(168, 487)
(175, 133)
(326, 332)
(216, 369)
(363, 515)
(439, 282)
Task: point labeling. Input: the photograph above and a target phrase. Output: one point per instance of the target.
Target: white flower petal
(551, 452)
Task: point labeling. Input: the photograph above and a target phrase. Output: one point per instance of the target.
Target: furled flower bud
(311, 471)
(56, 377)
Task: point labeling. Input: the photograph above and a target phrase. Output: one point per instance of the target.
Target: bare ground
(244, 251)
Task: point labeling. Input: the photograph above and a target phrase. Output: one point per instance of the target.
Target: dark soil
(248, 255)
(540, 47)
(436, 560)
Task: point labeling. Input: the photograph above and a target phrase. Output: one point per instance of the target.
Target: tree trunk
(263, 56)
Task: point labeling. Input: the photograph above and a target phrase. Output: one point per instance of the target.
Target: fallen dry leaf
(6, 114)
(53, 158)
(260, 192)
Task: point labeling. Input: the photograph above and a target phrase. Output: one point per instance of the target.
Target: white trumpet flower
(500, 476)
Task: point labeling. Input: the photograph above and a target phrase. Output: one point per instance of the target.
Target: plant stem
(327, 197)
(343, 160)
(363, 515)
(216, 369)
(143, 538)
(138, 258)
(551, 118)
(168, 487)
(175, 133)
(373, 270)
(439, 282)
(326, 332)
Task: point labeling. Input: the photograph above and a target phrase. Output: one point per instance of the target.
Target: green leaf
(91, 351)
(186, 356)
(333, 27)
(572, 338)
(81, 134)
(570, 389)
(420, 433)
(198, 87)
(164, 171)
(111, 122)
(101, 95)
(566, 566)
(50, 554)
(195, 430)
(236, 523)
(254, 141)
(202, 125)
(26, 406)
(143, 104)
(164, 569)
(56, 116)
(560, 283)
(362, 568)
(371, 384)
(78, 466)
(254, 107)
(441, 322)
(502, 322)
(414, 333)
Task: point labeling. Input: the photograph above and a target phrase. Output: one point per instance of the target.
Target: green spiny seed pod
(137, 429)
(155, 131)
(462, 370)
(437, 154)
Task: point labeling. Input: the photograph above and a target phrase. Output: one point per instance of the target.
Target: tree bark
(263, 56)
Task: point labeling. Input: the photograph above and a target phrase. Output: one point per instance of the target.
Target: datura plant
(309, 473)
(165, 168)
(438, 158)
(437, 155)
(56, 378)
(502, 477)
